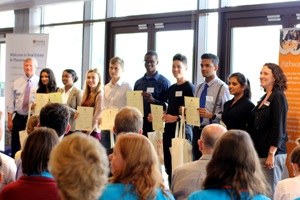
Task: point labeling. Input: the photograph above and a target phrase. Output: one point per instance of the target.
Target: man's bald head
(210, 134)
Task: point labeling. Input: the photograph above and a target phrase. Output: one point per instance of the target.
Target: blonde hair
(141, 166)
(87, 89)
(32, 123)
(118, 60)
(79, 165)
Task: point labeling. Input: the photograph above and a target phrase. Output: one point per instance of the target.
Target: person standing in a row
(154, 87)
(236, 111)
(47, 82)
(267, 124)
(20, 96)
(213, 93)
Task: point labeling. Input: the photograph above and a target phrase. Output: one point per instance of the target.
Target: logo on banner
(39, 43)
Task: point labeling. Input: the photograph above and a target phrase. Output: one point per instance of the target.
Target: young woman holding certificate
(92, 97)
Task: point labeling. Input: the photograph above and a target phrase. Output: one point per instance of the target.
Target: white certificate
(157, 114)
(135, 99)
(192, 114)
(108, 118)
(41, 100)
(84, 121)
(55, 97)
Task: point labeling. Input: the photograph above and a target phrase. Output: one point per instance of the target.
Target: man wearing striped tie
(213, 93)
(19, 98)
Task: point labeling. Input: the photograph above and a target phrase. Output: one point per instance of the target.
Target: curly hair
(141, 165)
(280, 78)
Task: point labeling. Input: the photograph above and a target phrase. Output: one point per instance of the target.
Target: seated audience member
(234, 171)
(79, 165)
(135, 169)
(290, 188)
(32, 123)
(55, 116)
(9, 169)
(37, 183)
(188, 178)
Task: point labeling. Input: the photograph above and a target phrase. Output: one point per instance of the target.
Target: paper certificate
(55, 97)
(84, 121)
(40, 100)
(192, 114)
(157, 114)
(108, 119)
(135, 99)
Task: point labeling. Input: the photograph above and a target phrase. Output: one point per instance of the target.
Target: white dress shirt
(115, 95)
(9, 169)
(288, 189)
(65, 95)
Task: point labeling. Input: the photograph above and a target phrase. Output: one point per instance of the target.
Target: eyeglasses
(149, 61)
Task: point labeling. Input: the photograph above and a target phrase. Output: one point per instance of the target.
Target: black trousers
(196, 136)
(19, 124)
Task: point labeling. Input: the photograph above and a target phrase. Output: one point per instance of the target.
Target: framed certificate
(108, 118)
(192, 114)
(157, 115)
(135, 99)
(84, 121)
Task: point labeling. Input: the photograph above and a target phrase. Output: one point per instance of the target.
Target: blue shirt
(119, 191)
(223, 194)
(159, 83)
(17, 92)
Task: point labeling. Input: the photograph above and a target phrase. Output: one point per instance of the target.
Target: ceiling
(20, 4)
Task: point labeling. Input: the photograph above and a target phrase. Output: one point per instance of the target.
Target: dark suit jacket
(267, 125)
(74, 100)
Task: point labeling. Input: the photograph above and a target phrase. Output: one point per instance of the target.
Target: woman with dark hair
(71, 95)
(236, 111)
(234, 171)
(47, 82)
(37, 183)
(267, 123)
(290, 188)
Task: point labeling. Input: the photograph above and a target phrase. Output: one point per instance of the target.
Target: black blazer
(267, 125)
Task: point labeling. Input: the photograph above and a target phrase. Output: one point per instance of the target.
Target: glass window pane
(9, 17)
(98, 38)
(212, 33)
(65, 50)
(252, 2)
(99, 7)
(63, 12)
(168, 43)
(250, 51)
(133, 54)
(138, 7)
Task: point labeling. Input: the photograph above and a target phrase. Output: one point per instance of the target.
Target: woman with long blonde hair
(92, 97)
(135, 169)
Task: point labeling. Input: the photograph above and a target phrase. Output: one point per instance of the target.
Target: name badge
(178, 94)
(150, 89)
(267, 103)
(209, 98)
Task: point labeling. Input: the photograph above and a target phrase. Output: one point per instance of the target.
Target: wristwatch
(271, 152)
(214, 116)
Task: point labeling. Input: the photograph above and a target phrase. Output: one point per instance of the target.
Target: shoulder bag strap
(215, 105)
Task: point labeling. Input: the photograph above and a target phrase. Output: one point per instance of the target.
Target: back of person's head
(56, 116)
(32, 123)
(141, 165)
(79, 165)
(116, 60)
(212, 57)
(295, 158)
(181, 58)
(211, 133)
(128, 119)
(36, 152)
(243, 81)
(235, 161)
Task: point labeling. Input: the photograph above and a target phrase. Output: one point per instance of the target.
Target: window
(9, 19)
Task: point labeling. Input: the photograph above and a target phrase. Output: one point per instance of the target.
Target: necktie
(26, 97)
(203, 99)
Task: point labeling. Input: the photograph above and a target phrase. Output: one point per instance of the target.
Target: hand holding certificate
(84, 120)
(135, 99)
(192, 114)
(108, 119)
(157, 115)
